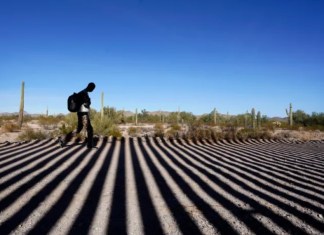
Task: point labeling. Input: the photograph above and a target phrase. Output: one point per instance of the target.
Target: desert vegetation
(112, 122)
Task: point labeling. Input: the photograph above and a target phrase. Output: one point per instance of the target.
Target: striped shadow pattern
(160, 186)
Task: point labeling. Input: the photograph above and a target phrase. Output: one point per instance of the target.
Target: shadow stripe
(250, 161)
(150, 219)
(117, 218)
(85, 217)
(246, 156)
(9, 199)
(210, 214)
(24, 212)
(286, 224)
(45, 224)
(18, 147)
(24, 162)
(185, 223)
(244, 215)
(22, 149)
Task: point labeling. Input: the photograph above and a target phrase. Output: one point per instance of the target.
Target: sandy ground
(154, 186)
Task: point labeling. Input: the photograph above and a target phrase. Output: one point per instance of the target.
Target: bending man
(83, 117)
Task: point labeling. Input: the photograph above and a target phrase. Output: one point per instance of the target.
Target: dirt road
(154, 186)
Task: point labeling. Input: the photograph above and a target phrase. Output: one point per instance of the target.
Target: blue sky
(161, 54)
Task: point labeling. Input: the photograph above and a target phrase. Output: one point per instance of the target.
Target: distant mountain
(277, 119)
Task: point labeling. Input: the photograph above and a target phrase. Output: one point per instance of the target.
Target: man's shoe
(62, 144)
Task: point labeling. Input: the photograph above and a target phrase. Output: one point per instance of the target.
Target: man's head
(91, 86)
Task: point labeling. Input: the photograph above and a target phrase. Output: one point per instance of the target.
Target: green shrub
(102, 126)
(71, 123)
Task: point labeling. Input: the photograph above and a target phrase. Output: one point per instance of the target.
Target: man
(83, 117)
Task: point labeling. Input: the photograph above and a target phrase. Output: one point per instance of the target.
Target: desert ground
(157, 186)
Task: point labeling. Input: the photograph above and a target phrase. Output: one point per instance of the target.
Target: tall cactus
(246, 119)
(290, 115)
(102, 106)
(215, 116)
(178, 116)
(253, 117)
(21, 109)
(136, 117)
(259, 120)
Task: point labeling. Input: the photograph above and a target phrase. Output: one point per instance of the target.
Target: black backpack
(74, 103)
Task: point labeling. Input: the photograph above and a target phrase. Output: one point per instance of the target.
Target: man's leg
(89, 128)
(70, 135)
(80, 122)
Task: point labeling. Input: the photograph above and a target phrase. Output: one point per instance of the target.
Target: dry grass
(31, 134)
(298, 135)
(9, 127)
(134, 131)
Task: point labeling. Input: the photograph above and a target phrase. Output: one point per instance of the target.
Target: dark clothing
(83, 120)
(84, 98)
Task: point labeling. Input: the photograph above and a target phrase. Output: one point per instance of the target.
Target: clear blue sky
(163, 54)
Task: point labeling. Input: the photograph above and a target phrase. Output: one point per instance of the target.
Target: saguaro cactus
(135, 117)
(259, 120)
(21, 109)
(253, 117)
(102, 106)
(178, 116)
(246, 119)
(290, 115)
(215, 116)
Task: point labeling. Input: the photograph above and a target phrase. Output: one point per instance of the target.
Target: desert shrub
(115, 132)
(30, 134)
(50, 122)
(216, 135)
(134, 131)
(159, 130)
(70, 123)
(245, 134)
(174, 131)
(10, 127)
(176, 127)
(283, 135)
(102, 126)
(229, 132)
(265, 134)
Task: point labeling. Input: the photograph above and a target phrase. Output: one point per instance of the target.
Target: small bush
(64, 129)
(10, 127)
(115, 132)
(50, 122)
(159, 130)
(70, 123)
(30, 134)
(245, 134)
(134, 131)
(103, 126)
